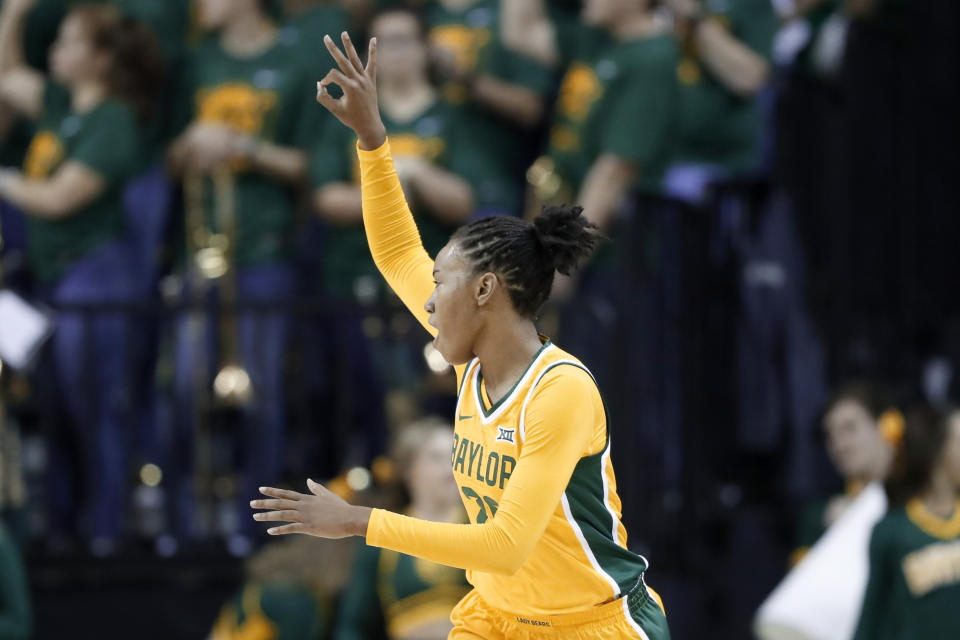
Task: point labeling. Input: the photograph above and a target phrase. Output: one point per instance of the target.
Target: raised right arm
(20, 86)
(392, 233)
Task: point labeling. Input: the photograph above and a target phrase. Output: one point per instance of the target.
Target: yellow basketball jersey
(582, 558)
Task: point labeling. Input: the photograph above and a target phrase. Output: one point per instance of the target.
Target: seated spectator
(16, 619)
(914, 584)
(248, 114)
(724, 65)
(289, 592)
(414, 596)
(861, 431)
(498, 94)
(89, 117)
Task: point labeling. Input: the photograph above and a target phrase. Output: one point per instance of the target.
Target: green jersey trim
(587, 508)
(931, 524)
(586, 505)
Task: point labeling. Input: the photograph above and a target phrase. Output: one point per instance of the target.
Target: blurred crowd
(187, 218)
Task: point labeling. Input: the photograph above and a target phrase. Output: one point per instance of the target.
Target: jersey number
(491, 503)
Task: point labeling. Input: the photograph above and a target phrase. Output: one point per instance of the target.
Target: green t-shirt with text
(105, 140)
(271, 97)
(499, 146)
(914, 587)
(621, 101)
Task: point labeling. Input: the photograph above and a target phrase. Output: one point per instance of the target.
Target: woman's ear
(486, 286)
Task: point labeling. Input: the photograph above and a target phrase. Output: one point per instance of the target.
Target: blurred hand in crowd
(444, 61)
(409, 169)
(209, 145)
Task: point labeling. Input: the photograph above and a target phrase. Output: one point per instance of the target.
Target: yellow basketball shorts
(636, 615)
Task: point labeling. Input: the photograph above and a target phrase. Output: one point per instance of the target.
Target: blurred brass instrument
(213, 259)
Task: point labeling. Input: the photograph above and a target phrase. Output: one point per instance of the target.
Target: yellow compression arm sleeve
(393, 236)
(559, 428)
(392, 233)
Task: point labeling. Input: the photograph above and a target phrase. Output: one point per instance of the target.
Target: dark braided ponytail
(136, 70)
(526, 255)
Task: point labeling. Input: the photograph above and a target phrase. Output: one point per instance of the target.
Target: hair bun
(568, 238)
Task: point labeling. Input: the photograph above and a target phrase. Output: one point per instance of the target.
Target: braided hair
(526, 255)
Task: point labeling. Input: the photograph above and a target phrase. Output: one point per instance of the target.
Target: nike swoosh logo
(465, 417)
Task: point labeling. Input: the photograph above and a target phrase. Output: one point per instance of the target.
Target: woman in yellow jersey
(545, 549)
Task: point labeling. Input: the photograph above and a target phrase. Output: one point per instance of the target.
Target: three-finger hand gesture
(319, 513)
(358, 108)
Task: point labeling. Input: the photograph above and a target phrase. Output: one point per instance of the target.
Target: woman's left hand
(319, 513)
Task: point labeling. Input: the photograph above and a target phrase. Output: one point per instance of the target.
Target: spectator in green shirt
(249, 115)
(498, 94)
(914, 583)
(861, 432)
(724, 66)
(149, 193)
(429, 154)
(88, 118)
(614, 124)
